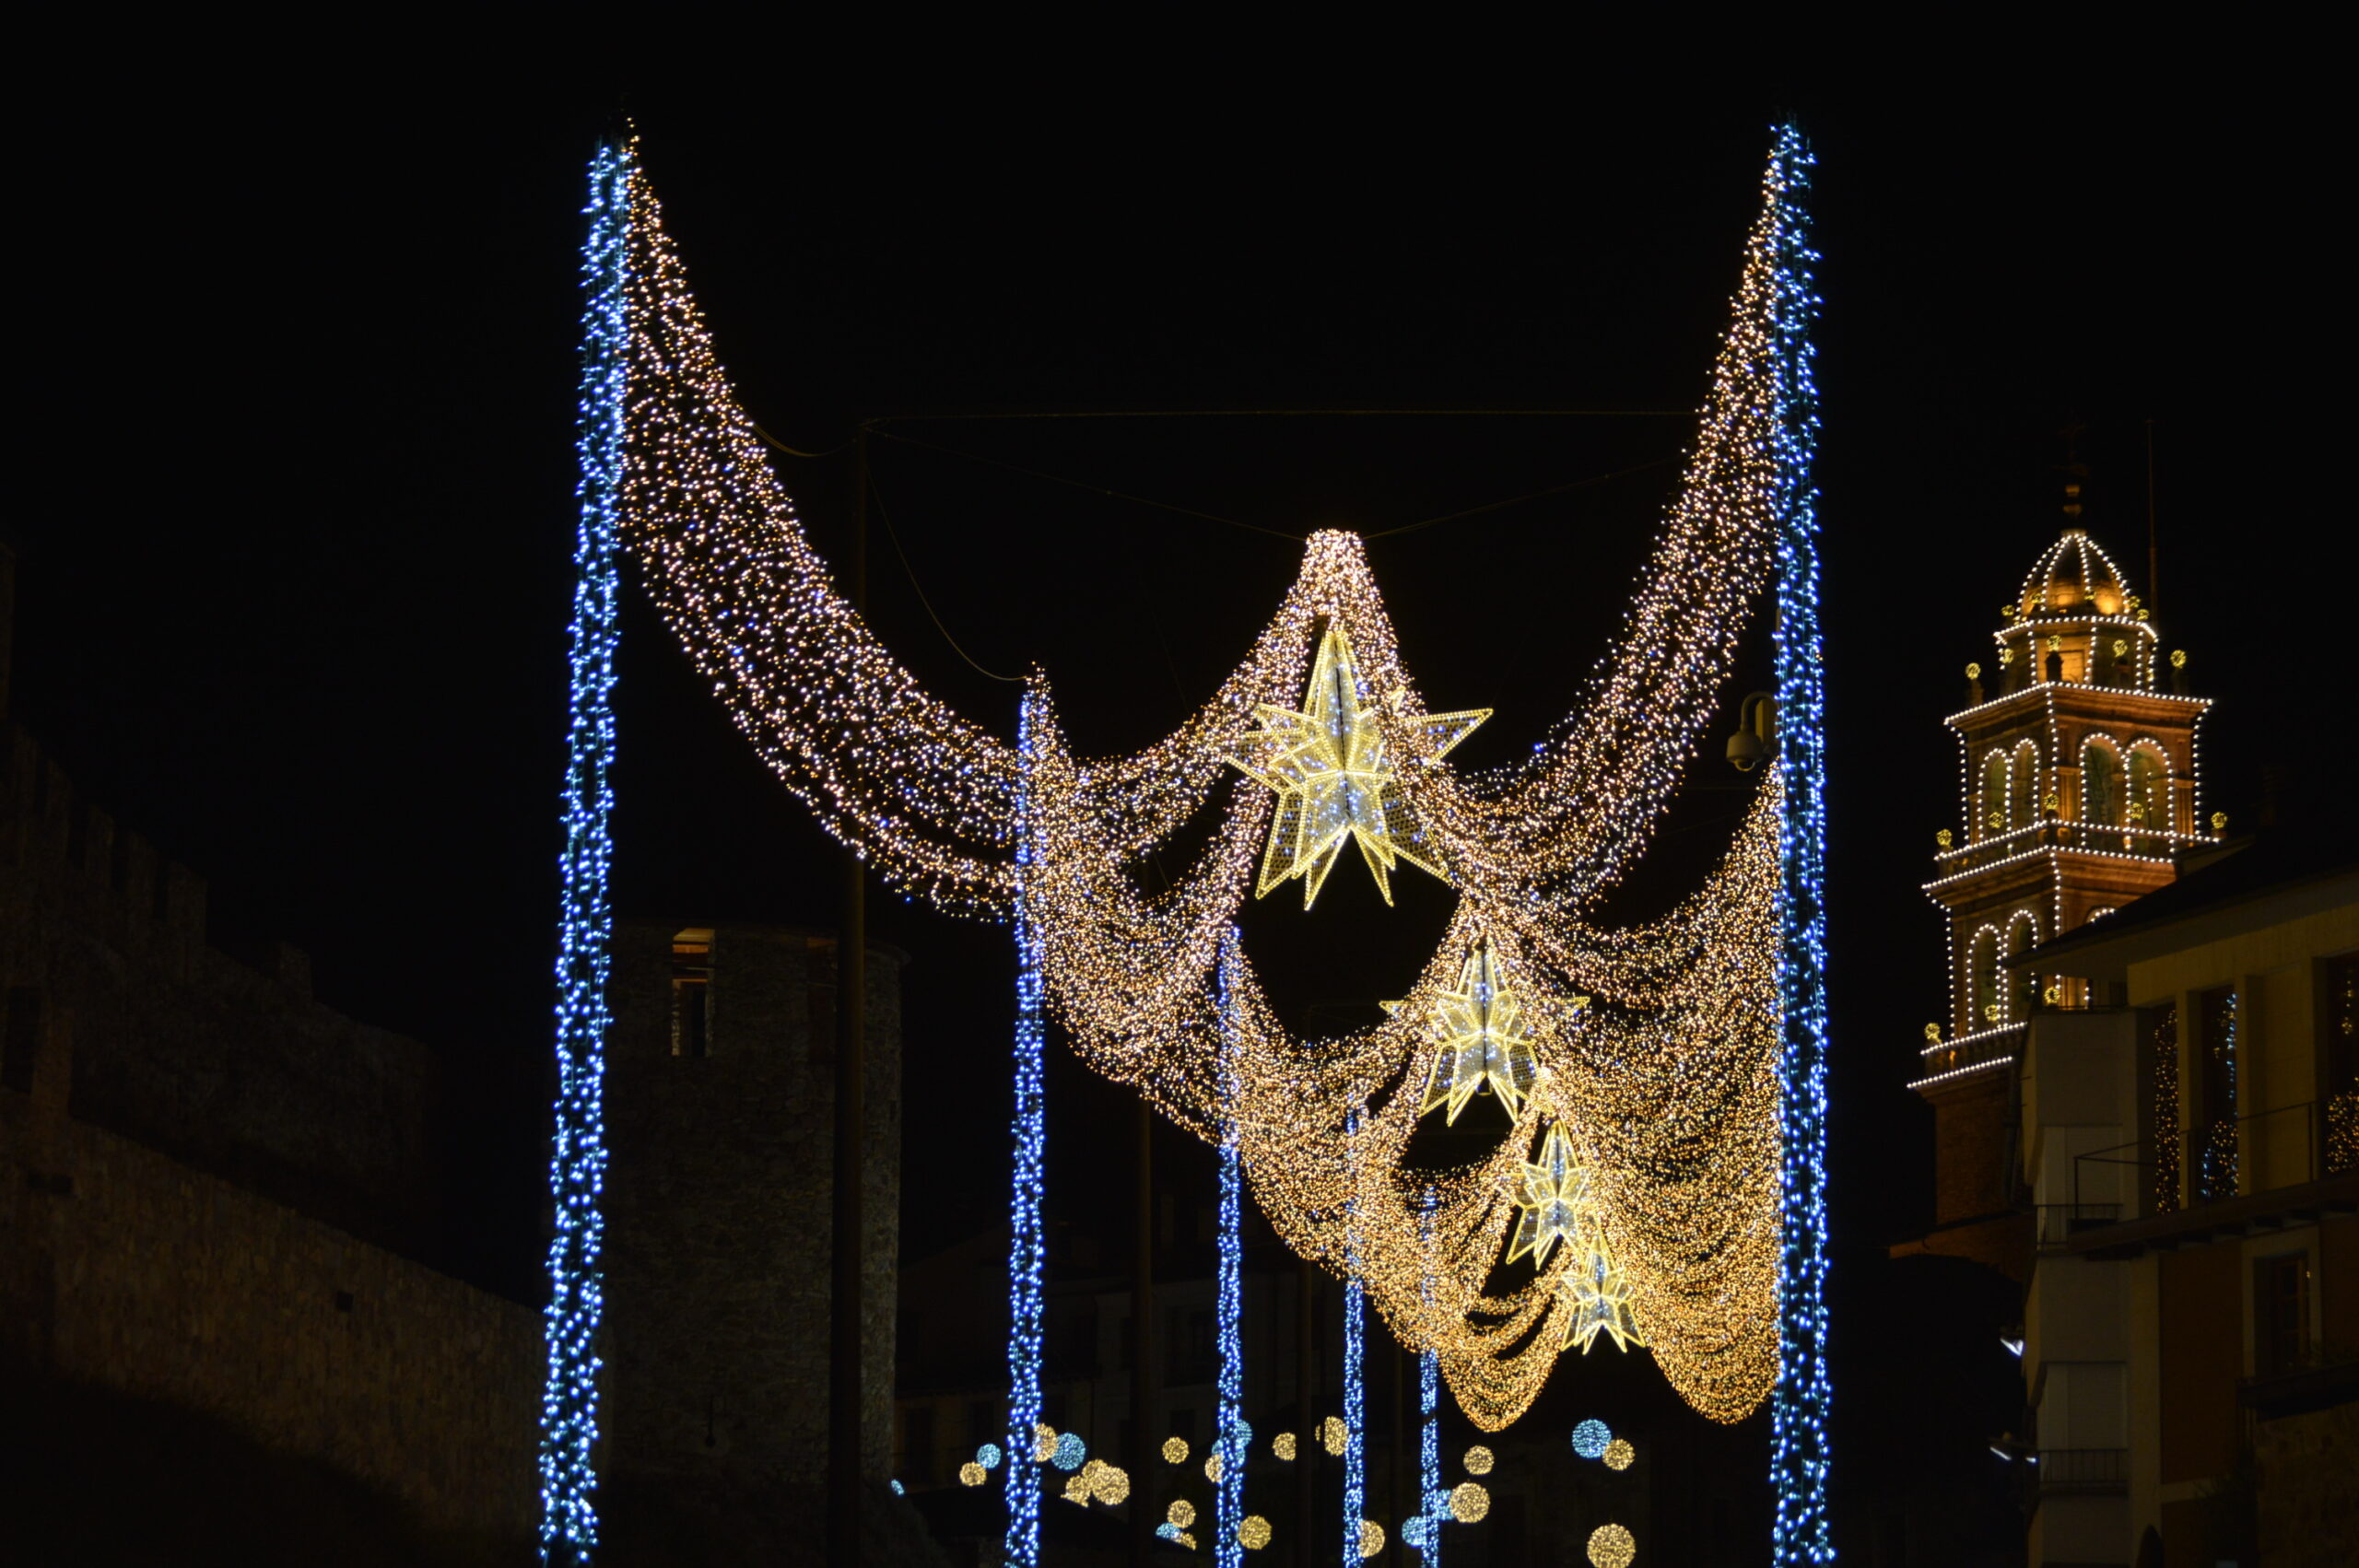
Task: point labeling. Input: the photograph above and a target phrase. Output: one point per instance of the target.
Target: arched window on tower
(2023, 935)
(2022, 787)
(2149, 789)
(1991, 813)
(2100, 783)
(1982, 980)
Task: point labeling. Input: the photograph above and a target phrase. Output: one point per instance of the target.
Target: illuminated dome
(2074, 577)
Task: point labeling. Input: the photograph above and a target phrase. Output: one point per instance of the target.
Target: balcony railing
(1954, 1059)
(2082, 1470)
(2059, 1221)
(2259, 1153)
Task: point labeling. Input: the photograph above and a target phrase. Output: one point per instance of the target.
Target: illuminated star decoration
(1595, 1295)
(1555, 1199)
(1335, 778)
(1484, 1040)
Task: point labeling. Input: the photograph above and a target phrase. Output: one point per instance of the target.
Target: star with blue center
(1337, 776)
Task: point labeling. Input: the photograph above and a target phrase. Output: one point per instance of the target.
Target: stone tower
(720, 1095)
(2077, 793)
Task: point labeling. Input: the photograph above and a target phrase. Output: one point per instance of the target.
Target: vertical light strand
(1799, 1413)
(1429, 1494)
(1355, 1395)
(1228, 1512)
(1026, 1248)
(577, 1150)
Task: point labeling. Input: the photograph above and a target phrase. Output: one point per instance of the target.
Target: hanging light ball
(1253, 1533)
(1069, 1452)
(1590, 1439)
(1175, 1450)
(1371, 1538)
(1283, 1444)
(989, 1456)
(1619, 1453)
(1181, 1513)
(1469, 1502)
(970, 1474)
(1478, 1460)
(1610, 1546)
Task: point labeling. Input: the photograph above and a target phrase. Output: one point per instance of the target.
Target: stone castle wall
(128, 1270)
(229, 1066)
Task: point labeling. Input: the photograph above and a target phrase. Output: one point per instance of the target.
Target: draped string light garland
(1648, 1058)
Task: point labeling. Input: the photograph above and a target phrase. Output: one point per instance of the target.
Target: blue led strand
(1026, 1248)
(1429, 1407)
(1799, 1411)
(577, 1150)
(1229, 1511)
(1355, 1455)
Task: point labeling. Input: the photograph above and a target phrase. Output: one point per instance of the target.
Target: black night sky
(303, 381)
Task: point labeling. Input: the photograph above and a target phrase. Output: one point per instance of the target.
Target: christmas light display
(1700, 1130)
(1483, 1041)
(1354, 1385)
(1590, 1439)
(1336, 779)
(1028, 1246)
(1799, 1411)
(577, 1148)
(1611, 1545)
(1234, 1434)
(1427, 1538)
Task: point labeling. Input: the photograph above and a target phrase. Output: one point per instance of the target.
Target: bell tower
(2077, 793)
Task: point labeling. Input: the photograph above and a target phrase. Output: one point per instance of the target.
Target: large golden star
(1484, 1040)
(1335, 778)
(1555, 1199)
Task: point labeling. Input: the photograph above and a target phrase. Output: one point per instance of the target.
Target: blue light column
(1429, 1407)
(1228, 1512)
(577, 1152)
(1027, 1248)
(1799, 1413)
(1355, 1403)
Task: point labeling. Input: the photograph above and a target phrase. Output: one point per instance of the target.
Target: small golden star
(1484, 1041)
(1555, 1199)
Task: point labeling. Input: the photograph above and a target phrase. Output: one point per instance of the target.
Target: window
(916, 1464)
(2150, 789)
(21, 1043)
(1194, 1354)
(2023, 935)
(1982, 981)
(2022, 787)
(1992, 819)
(2342, 1063)
(2280, 1313)
(692, 993)
(2161, 1055)
(2100, 784)
(2215, 1045)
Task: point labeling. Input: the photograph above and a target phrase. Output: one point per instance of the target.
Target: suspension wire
(876, 493)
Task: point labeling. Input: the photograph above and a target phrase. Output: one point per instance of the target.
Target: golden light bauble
(1213, 1467)
(1112, 1484)
(1283, 1444)
(1181, 1513)
(1478, 1460)
(1175, 1450)
(1469, 1502)
(1610, 1546)
(1371, 1538)
(972, 1474)
(1619, 1453)
(1254, 1533)
(1333, 1434)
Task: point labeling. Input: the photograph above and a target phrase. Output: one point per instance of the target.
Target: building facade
(2144, 1105)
